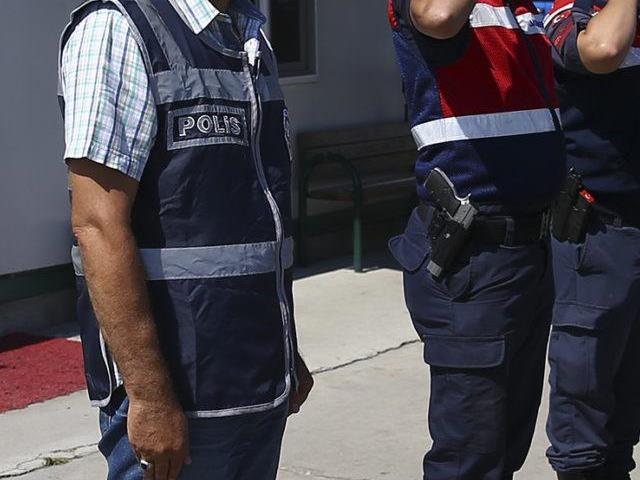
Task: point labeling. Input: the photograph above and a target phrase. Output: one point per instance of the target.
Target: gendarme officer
(594, 421)
(479, 84)
(179, 156)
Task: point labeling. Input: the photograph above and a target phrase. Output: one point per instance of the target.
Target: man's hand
(102, 200)
(440, 19)
(305, 385)
(158, 434)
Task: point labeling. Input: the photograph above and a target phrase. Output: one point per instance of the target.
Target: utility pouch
(572, 210)
(450, 226)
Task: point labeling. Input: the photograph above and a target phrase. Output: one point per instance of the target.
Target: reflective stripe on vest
(228, 85)
(207, 262)
(485, 125)
(484, 15)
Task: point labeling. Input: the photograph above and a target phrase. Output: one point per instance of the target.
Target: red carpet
(34, 369)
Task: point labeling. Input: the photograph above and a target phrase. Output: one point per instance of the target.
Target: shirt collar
(197, 14)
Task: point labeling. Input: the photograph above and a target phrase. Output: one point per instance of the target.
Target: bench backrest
(375, 149)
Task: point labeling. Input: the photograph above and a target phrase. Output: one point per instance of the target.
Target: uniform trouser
(595, 351)
(485, 327)
(245, 447)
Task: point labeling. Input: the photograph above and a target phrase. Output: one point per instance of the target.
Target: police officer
(479, 84)
(594, 421)
(179, 155)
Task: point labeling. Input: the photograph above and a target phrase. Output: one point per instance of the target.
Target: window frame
(311, 75)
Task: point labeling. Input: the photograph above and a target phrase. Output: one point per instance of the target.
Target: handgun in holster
(450, 227)
(572, 210)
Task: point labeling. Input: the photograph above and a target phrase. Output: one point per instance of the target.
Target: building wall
(357, 83)
(33, 197)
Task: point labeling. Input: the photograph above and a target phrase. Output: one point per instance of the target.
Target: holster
(448, 238)
(572, 211)
(449, 228)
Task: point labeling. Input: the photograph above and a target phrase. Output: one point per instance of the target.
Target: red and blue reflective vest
(482, 105)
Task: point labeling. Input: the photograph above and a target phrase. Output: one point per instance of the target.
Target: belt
(609, 217)
(501, 229)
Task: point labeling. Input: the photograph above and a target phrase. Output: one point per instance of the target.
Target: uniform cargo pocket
(464, 352)
(468, 396)
(575, 315)
(581, 254)
(409, 252)
(411, 248)
(577, 350)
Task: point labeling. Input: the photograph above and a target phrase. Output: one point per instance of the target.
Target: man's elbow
(438, 22)
(90, 228)
(603, 57)
(86, 229)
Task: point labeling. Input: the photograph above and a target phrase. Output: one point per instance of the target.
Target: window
(292, 30)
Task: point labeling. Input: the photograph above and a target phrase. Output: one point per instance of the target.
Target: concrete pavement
(366, 419)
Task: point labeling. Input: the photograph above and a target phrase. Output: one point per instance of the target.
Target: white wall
(357, 83)
(34, 227)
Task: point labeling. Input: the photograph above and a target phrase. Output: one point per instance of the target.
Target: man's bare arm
(605, 42)
(102, 199)
(441, 19)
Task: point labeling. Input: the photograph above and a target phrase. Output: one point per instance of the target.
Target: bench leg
(357, 232)
(357, 243)
(301, 243)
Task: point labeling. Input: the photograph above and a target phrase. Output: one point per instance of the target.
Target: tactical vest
(482, 105)
(212, 219)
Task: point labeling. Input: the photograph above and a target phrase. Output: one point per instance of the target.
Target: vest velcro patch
(206, 125)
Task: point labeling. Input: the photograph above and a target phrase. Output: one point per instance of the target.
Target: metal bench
(363, 166)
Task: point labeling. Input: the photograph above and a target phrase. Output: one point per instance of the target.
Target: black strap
(500, 229)
(611, 218)
(511, 231)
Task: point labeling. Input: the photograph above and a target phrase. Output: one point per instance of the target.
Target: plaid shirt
(110, 114)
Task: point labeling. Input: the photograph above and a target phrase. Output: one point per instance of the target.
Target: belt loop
(509, 236)
(618, 221)
(545, 225)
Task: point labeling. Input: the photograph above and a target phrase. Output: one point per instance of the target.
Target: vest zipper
(253, 75)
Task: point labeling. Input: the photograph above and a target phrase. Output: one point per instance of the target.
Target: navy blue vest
(599, 113)
(212, 219)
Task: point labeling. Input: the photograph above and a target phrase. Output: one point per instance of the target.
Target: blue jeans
(594, 352)
(245, 447)
(485, 326)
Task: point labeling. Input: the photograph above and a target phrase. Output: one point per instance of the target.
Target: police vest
(599, 112)
(482, 105)
(212, 220)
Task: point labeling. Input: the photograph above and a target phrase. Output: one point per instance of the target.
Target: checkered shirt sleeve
(110, 114)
